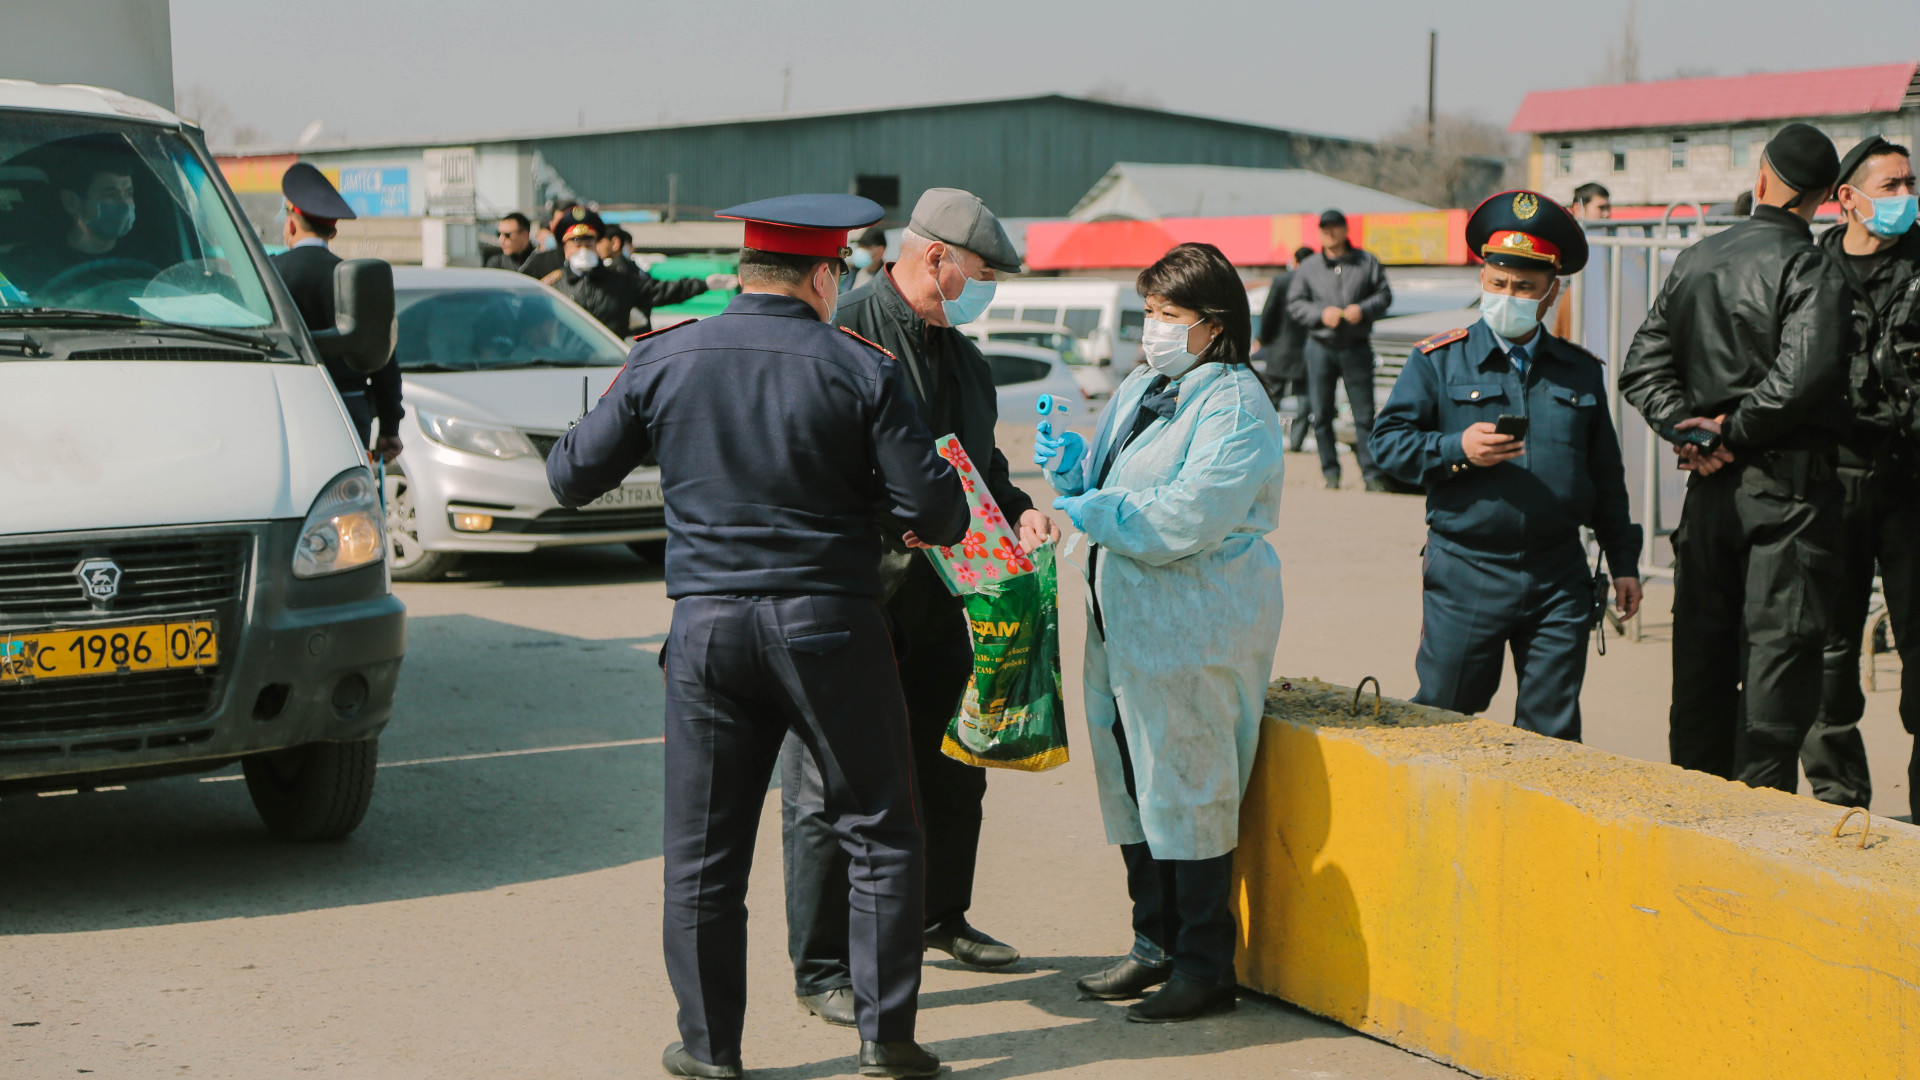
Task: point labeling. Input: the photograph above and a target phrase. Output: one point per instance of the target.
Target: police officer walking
(312, 207)
(1879, 251)
(1506, 426)
(1742, 350)
(780, 438)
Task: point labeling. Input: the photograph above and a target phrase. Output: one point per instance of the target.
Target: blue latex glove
(1075, 507)
(1069, 448)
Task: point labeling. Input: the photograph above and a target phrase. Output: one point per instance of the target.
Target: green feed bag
(1013, 715)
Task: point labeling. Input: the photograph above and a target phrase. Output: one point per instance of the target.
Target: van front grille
(142, 699)
(39, 584)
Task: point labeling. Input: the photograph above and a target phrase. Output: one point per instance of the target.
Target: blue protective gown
(1189, 593)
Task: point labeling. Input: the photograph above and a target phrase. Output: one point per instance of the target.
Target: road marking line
(654, 741)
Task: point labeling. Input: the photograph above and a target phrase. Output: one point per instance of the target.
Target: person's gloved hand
(1075, 507)
(1069, 447)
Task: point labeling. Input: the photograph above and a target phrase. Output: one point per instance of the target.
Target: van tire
(319, 791)
(654, 551)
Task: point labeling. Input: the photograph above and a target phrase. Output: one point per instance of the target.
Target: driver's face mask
(111, 219)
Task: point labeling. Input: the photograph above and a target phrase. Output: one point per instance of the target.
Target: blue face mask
(862, 258)
(113, 220)
(1508, 315)
(968, 306)
(1892, 216)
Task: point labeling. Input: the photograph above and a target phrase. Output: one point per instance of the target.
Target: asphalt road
(497, 915)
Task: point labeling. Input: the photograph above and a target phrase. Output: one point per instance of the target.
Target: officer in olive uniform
(779, 438)
(1505, 564)
(1746, 344)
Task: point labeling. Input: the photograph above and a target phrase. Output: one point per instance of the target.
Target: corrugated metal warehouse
(1027, 157)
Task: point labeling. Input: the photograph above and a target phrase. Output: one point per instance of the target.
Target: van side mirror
(363, 325)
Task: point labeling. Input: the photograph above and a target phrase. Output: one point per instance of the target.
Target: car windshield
(105, 216)
(489, 329)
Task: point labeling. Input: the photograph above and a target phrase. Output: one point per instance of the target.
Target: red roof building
(1682, 140)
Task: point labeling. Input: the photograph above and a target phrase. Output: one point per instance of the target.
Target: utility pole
(1433, 63)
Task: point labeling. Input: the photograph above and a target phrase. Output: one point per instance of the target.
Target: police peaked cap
(307, 190)
(804, 224)
(1527, 231)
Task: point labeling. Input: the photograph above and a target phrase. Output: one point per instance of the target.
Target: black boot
(678, 1062)
(905, 1059)
(1181, 1000)
(969, 946)
(834, 1006)
(1127, 979)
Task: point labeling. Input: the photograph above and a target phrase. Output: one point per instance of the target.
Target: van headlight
(475, 437)
(344, 530)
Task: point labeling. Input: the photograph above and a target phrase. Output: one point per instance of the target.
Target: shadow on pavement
(191, 848)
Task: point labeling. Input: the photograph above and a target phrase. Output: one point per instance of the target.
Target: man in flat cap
(949, 254)
(1337, 294)
(1506, 426)
(1741, 365)
(312, 208)
(1879, 250)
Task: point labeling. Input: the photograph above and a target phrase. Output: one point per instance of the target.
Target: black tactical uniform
(1751, 325)
(613, 289)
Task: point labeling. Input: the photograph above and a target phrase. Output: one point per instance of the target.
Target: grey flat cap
(959, 218)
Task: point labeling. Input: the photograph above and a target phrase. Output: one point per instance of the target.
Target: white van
(192, 560)
(1105, 317)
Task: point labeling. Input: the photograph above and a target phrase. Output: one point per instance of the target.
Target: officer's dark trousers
(933, 672)
(1181, 908)
(1881, 521)
(1756, 567)
(1327, 366)
(1475, 606)
(740, 673)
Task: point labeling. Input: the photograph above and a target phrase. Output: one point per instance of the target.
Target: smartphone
(1699, 438)
(1515, 426)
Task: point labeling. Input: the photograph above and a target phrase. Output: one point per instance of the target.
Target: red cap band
(796, 240)
(1523, 245)
(579, 230)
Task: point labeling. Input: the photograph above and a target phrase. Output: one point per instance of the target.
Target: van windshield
(102, 216)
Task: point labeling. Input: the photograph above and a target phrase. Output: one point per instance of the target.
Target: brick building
(1654, 143)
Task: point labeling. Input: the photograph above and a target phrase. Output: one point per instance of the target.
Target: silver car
(495, 367)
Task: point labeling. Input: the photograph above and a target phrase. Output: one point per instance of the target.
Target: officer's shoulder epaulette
(638, 338)
(1445, 337)
(875, 344)
(1579, 351)
(552, 278)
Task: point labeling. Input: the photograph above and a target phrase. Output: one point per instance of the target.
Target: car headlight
(344, 530)
(475, 437)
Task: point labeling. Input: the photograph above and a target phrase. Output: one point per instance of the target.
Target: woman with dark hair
(1176, 496)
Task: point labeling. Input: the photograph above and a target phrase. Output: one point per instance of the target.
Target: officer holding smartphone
(1508, 430)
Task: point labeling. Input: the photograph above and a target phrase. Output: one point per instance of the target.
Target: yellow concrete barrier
(1522, 907)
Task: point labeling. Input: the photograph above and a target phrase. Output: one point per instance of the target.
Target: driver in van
(95, 195)
(102, 209)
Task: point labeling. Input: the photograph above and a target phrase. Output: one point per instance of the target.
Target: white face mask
(1164, 346)
(1508, 315)
(583, 260)
(833, 290)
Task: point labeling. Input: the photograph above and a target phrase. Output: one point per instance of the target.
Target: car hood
(103, 445)
(538, 399)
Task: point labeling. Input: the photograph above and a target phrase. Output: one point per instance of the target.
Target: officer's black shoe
(970, 946)
(1182, 999)
(834, 1006)
(678, 1062)
(905, 1059)
(1333, 483)
(1374, 483)
(1127, 979)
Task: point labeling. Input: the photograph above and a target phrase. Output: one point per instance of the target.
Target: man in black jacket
(1744, 345)
(515, 234)
(1283, 349)
(1337, 295)
(306, 266)
(610, 287)
(948, 257)
(1879, 250)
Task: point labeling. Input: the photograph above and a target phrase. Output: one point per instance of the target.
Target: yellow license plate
(114, 650)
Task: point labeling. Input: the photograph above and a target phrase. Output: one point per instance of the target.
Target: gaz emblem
(100, 577)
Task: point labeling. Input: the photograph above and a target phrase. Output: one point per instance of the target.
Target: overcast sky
(397, 68)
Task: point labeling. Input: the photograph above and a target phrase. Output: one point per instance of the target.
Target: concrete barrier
(1522, 907)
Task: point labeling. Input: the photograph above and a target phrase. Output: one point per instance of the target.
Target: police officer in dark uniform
(1506, 426)
(779, 437)
(1879, 250)
(312, 207)
(1744, 347)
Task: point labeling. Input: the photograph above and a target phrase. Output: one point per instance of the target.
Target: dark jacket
(1751, 323)
(495, 259)
(1882, 342)
(614, 288)
(1283, 339)
(1320, 283)
(541, 264)
(779, 438)
(953, 388)
(1571, 474)
(308, 273)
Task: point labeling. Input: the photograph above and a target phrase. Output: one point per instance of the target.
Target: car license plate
(112, 650)
(627, 497)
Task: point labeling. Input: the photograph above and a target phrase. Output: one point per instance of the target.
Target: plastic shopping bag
(1014, 715)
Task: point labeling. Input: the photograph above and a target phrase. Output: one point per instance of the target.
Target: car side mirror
(363, 322)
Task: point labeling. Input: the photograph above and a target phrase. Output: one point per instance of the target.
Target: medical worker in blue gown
(1176, 495)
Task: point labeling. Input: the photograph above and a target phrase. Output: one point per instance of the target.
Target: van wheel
(654, 551)
(319, 791)
(405, 557)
